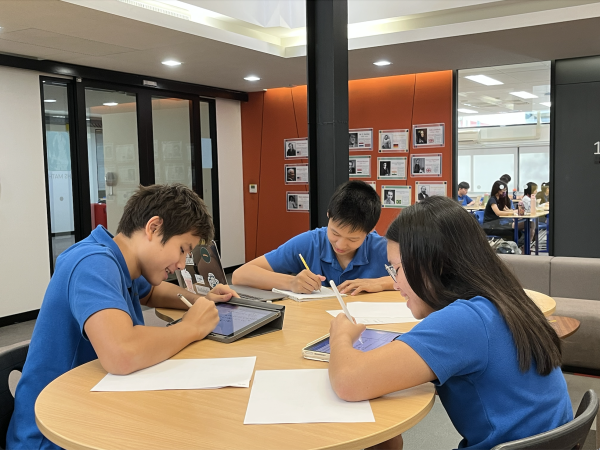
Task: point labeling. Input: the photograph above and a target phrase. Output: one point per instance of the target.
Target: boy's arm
(259, 274)
(366, 285)
(165, 296)
(123, 348)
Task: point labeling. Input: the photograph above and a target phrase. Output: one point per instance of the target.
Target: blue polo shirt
(368, 262)
(464, 200)
(470, 349)
(90, 276)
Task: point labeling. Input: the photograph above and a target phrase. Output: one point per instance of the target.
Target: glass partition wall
(504, 125)
(103, 140)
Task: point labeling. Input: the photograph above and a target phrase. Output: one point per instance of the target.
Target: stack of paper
(300, 396)
(183, 374)
(371, 313)
(325, 292)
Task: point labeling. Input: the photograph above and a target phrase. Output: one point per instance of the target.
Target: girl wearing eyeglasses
(483, 343)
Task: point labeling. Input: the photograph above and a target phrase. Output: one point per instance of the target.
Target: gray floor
(434, 432)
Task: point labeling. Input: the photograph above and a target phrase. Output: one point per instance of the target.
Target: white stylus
(343, 305)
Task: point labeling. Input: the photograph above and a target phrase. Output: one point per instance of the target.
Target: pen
(184, 300)
(305, 265)
(343, 305)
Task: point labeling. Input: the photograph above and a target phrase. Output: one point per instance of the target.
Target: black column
(327, 66)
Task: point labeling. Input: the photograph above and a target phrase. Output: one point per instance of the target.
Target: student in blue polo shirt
(347, 251)
(92, 307)
(463, 198)
(485, 345)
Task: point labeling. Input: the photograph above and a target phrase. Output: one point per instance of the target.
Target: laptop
(203, 271)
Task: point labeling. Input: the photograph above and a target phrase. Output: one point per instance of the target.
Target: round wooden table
(543, 301)
(71, 416)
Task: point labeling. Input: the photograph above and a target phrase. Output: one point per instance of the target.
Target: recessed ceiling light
(49, 100)
(483, 79)
(383, 62)
(548, 104)
(170, 62)
(110, 104)
(251, 78)
(466, 111)
(523, 94)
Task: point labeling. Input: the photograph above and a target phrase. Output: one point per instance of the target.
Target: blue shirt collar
(103, 236)
(361, 258)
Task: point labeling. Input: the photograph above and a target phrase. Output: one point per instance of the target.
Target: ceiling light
(251, 78)
(482, 79)
(548, 104)
(383, 62)
(523, 94)
(49, 100)
(466, 111)
(110, 104)
(170, 62)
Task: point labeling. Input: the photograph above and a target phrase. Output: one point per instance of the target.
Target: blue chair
(479, 215)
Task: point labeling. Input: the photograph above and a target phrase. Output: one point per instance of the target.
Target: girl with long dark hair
(483, 342)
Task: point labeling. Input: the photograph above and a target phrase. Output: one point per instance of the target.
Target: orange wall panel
(270, 117)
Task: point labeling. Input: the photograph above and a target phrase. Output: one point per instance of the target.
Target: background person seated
(497, 211)
(463, 198)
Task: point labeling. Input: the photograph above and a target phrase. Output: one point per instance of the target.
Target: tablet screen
(371, 339)
(235, 317)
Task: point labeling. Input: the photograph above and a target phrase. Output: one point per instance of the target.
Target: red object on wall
(99, 215)
(386, 103)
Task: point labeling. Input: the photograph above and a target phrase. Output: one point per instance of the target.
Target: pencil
(184, 300)
(303, 262)
(305, 265)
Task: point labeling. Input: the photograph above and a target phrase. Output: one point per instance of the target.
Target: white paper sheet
(183, 374)
(300, 396)
(373, 313)
(316, 295)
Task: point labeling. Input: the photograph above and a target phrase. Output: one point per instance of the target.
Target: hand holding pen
(343, 305)
(306, 282)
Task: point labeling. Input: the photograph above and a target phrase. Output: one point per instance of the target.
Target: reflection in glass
(207, 163)
(112, 153)
(173, 157)
(58, 156)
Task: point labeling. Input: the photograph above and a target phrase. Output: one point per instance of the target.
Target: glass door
(173, 150)
(113, 154)
(57, 139)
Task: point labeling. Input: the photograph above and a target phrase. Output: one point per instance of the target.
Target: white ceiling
(265, 38)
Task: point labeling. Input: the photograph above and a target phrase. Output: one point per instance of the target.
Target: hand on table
(221, 293)
(306, 282)
(361, 285)
(342, 329)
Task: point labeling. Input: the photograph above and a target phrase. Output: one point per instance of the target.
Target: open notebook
(316, 295)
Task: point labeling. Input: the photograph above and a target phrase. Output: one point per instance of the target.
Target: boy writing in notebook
(92, 306)
(347, 251)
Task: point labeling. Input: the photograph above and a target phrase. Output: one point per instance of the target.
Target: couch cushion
(575, 278)
(532, 271)
(582, 348)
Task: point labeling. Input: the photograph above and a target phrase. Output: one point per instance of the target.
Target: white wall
(231, 186)
(24, 252)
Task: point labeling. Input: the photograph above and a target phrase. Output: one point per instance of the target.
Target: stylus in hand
(343, 305)
(184, 300)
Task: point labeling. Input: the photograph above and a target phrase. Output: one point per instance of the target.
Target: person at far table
(492, 355)
(347, 251)
(92, 306)
(463, 198)
(529, 196)
(544, 193)
(497, 212)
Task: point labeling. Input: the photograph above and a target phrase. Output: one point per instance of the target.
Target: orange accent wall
(270, 117)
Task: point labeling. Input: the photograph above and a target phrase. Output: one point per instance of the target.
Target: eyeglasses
(391, 271)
